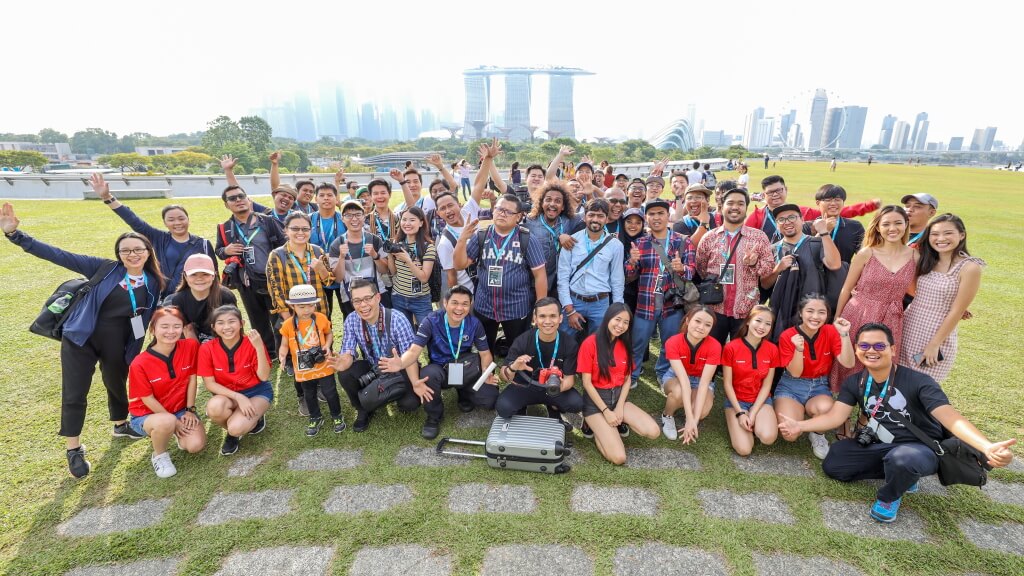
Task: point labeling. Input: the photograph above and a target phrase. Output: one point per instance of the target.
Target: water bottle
(60, 304)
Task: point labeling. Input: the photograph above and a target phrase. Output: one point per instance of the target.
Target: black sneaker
(465, 406)
(623, 429)
(313, 428)
(339, 425)
(261, 425)
(123, 430)
(431, 428)
(230, 445)
(77, 464)
(585, 429)
(362, 421)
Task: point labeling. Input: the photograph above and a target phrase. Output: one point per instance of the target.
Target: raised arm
(275, 170)
(84, 265)
(437, 161)
(227, 164)
(552, 171)
(493, 151)
(102, 189)
(397, 176)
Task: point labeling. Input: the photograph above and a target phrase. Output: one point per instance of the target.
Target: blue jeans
(643, 330)
(136, 422)
(418, 306)
(593, 312)
(802, 389)
(746, 405)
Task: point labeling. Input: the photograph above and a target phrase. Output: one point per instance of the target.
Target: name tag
(883, 435)
(494, 276)
(728, 275)
(455, 375)
(138, 330)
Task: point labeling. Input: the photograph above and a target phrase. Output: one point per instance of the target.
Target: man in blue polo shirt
(508, 258)
(449, 335)
(590, 274)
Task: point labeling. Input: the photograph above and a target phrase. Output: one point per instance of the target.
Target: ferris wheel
(811, 120)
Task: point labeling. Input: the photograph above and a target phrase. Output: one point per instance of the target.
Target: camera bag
(710, 290)
(386, 387)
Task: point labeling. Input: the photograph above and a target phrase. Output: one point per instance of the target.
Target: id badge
(417, 286)
(728, 275)
(494, 276)
(250, 255)
(884, 435)
(138, 330)
(455, 374)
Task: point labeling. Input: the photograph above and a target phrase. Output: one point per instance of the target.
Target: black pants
(329, 295)
(78, 364)
(328, 386)
(258, 307)
(725, 328)
(349, 380)
(512, 329)
(437, 380)
(899, 464)
(515, 398)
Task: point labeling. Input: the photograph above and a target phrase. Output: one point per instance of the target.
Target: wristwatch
(191, 409)
(110, 200)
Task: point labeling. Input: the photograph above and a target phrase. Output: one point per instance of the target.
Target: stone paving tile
(1006, 537)
(605, 500)
(852, 517)
(423, 456)
(476, 419)
(1016, 465)
(321, 459)
(927, 485)
(245, 506)
(1005, 492)
(245, 465)
(654, 558)
(161, 567)
(475, 498)
(792, 565)
(757, 506)
(115, 518)
(661, 458)
(279, 561)
(773, 464)
(523, 560)
(408, 560)
(366, 498)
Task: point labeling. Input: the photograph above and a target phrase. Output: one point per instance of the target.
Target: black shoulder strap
(590, 257)
(663, 255)
(102, 272)
(387, 328)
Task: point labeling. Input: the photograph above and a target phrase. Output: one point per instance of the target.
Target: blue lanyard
(280, 219)
(769, 218)
(415, 251)
(131, 290)
(727, 245)
(302, 271)
(498, 253)
(916, 238)
(324, 238)
(298, 336)
(867, 393)
(246, 241)
(839, 222)
(554, 352)
(793, 251)
(448, 333)
(691, 222)
(380, 225)
(558, 246)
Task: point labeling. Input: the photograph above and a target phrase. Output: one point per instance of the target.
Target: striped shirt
(354, 332)
(286, 269)
(655, 277)
(403, 278)
(511, 298)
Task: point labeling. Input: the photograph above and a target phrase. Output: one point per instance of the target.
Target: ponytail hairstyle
(605, 344)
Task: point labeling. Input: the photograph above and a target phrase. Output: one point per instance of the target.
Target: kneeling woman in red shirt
(235, 368)
(162, 390)
(694, 358)
(605, 362)
(748, 368)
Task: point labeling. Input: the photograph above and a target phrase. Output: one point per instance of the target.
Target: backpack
(709, 180)
(51, 319)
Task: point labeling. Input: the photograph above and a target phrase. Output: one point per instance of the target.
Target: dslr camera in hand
(392, 247)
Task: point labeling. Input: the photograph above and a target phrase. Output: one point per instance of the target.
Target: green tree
(126, 161)
(256, 133)
(303, 160)
(19, 158)
(289, 161)
(94, 141)
(220, 132)
(49, 135)
(638, 151)
(737, 151)
(12, 137)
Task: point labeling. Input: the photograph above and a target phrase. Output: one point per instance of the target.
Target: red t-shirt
(586, 363)
(164, 378)
(818, 353)
(709, 351)
(749, 366)
(235, 370)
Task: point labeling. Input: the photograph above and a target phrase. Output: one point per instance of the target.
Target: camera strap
(309, 333)
(590, 256)
(379, 349)
(666, 263)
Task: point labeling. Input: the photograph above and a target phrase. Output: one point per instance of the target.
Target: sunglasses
(877, 346)
(616, 201)
(235, 197)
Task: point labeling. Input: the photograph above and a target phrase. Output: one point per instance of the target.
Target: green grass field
(37, 492)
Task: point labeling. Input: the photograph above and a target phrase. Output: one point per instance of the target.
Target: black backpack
(50, 322)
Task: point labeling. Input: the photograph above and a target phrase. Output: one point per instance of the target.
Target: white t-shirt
(742, 180)
(446, 250)
(426, 203)
(694, 176)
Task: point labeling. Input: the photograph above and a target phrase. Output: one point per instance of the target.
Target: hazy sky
(171, 67)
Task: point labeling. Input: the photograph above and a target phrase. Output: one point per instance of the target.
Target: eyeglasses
(774, 192)
(235, 197)
(505, 212)
(788, 219)
(352, 215)
(129, 251)
(836, 199)
(361, 301)
(637, 189)
(300, 230)
(877, 346)
(616, 200)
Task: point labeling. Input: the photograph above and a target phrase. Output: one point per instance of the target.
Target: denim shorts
(264, 389)
(609, 395)
(802, 389)
(136, 422)
(694, 381)
(746, 405)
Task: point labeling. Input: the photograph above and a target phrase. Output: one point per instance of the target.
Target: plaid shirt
(353, 337)
(649, 269)
(740, 296)
(282, 274)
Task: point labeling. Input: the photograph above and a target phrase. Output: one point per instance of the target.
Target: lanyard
(131, 290)
(839, 222)
(793, 251)
(324, 238)
(302, 271)
(691, 222)
(456, 349)
(668, 244)
(590, 249)
(725, 243)
(867, 392)
(381, 227)
(357, 263)
(309, 333)
(769, 218)
(618, 224)
(498, 253)
(915, 239)
(412, 246)
(378, 331)
(558, 247)
(280, 219)
(554, 351)
(247, 241)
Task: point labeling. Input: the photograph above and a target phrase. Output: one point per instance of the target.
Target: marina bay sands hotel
(516, 124)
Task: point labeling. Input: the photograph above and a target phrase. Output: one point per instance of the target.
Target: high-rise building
(517, 106)
(978, 140)
(989, 138)
(714, 138)
(853, 133)
(819, 106)
(885, 136)
(900, 133)
(478, 97)
(785, 122)
(560, 106)
(369, 125)
(922, 119)
(305, 125)
(795, 139)
(388, 123)
(833, 128)
(764, 129)
(956, 143)
(340, 104)
(750, 127)
(922, 136)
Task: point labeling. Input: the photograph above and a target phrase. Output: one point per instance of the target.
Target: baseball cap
(786, 208)
(633, 212)
(621, 176)
(582, 164)
(656, 180)
(658, 203)
(923, 198)
(639, 181)
(352, 204)
(199, 263)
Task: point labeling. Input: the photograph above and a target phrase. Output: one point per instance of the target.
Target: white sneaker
(163, 466)
(819, 445)
(668, 426)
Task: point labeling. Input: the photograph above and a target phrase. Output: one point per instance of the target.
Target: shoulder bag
(710, 290)
(57, 308)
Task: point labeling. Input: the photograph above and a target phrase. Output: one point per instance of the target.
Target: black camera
(550, 381)
(392, 247)
(865, 436)
(308, 359)
(231, 265)
(375, 376)
(369, 377)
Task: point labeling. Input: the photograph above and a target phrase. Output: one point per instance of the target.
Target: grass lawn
(37, 492)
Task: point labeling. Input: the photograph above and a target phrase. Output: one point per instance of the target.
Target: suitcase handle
(440, 448)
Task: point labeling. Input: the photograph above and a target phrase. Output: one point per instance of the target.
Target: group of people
(797, 313)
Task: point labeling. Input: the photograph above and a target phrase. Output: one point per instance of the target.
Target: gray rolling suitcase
(529, 443)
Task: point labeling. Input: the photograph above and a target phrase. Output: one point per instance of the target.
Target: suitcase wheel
(543, 468)
(562, 468)
(559, 449)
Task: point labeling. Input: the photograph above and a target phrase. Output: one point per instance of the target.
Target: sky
(165, 68)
